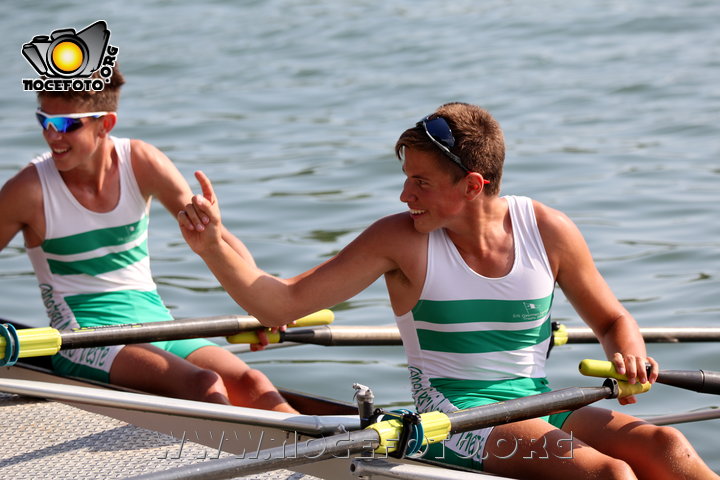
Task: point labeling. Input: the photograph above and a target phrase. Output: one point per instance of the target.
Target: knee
(616, 469)
(253, 376)
(207, 386)
(672, 444)
(253, 381)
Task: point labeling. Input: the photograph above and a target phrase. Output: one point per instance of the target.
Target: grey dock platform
(52, 440)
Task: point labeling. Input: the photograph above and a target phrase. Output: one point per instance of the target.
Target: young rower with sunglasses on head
(83, 211)
(471, 277)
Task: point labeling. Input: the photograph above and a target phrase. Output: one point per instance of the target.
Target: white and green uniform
(472, 340)
(93, 268)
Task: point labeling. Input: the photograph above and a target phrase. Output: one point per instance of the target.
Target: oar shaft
(649, 334)
(31, 342)
(157, 331)
(343, 335)
(673, 418)
(533, 406)
(333, 336)
(703, 381)
(222, 326)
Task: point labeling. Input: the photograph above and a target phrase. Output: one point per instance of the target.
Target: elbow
(282, 310)
(270, 319)
(273, 301)
(277, 318)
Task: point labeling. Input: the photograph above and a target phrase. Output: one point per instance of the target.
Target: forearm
(272, 300)
(237, 245)
(622, 335)
(262, 295)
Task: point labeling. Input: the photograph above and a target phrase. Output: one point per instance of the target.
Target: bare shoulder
(395, 238)
(564, 243)
(553, 224)
(146, 156)
(390, 237)
(23, 187)
(400, 221)
(396, 230)
(21, 207)
(156, 174)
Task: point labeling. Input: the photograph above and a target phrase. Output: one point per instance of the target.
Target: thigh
(245, 386)
(650, 450)
(93, 362)
(607, 430)
(535, 449)
(151, 369)
(214, 357)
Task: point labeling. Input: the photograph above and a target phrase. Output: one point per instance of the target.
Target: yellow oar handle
(600, 368)
(436, 428)
(605, 369)
(322, 317)
(560, 336)
(28, 342)
(625, 389)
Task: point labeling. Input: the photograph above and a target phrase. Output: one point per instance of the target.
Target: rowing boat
(247, 433)
(244, 432)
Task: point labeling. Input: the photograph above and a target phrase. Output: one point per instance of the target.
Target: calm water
(292, 107)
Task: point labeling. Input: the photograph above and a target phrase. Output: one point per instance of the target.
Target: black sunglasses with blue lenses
(65, 123)
(438, 130)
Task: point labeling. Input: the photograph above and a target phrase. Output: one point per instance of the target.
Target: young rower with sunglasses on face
(83, 211)
(471, 275)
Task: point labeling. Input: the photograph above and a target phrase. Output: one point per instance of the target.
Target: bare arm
(275, 301)
(157, 176)
(591, 296)
(21, 208)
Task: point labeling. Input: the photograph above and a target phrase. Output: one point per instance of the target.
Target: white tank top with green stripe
(470, 327)
(93, 268)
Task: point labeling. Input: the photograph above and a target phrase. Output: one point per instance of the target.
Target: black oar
(382, 437)
(330, 336)
(563, 334)
(703, 381)
(342, 335)
(31, 342)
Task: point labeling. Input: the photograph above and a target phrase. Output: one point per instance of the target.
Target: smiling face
(431, 194)
(76, 148)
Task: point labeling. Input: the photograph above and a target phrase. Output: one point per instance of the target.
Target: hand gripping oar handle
(323, 317)
(703, 381)
(33, 342)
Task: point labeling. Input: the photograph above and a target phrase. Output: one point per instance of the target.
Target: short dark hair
(106, 100)
(479, 142)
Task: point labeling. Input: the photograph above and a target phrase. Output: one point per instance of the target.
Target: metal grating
(43, 439)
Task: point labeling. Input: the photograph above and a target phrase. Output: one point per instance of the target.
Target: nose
(51, 134)
(406, 194)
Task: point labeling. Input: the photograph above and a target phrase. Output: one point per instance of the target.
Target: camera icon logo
(66, 53)
(66, 59)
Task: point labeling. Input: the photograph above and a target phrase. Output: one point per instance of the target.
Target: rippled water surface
(610, 111)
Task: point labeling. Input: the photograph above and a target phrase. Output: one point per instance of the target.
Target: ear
(475, 183)
(108, 123)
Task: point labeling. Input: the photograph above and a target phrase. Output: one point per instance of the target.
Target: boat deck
(46, 439)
